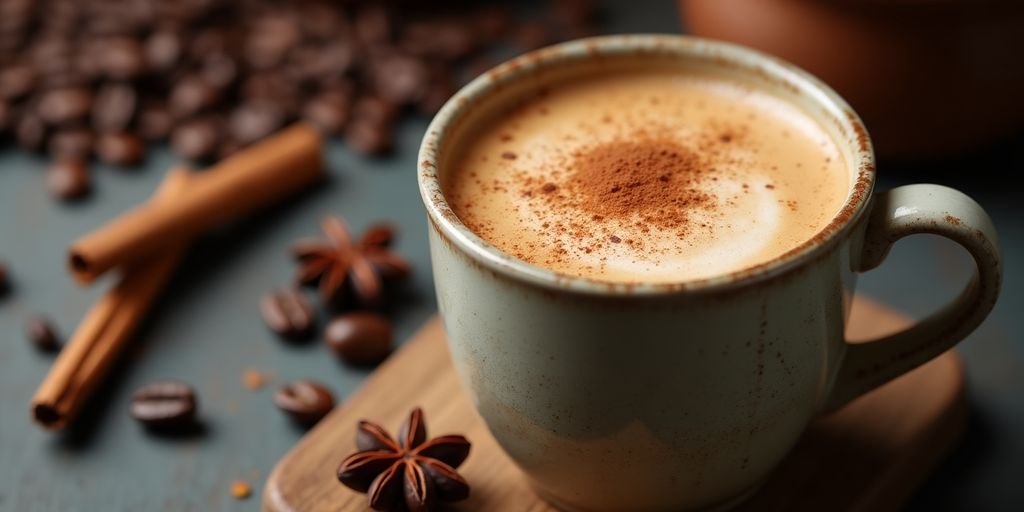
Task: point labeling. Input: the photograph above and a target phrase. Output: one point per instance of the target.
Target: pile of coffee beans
(99, 78)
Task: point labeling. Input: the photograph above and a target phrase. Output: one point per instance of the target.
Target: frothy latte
(653, 176)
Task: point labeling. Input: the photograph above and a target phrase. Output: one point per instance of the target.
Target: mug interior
(503, 87)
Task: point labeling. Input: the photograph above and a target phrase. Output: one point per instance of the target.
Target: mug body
(676, 396)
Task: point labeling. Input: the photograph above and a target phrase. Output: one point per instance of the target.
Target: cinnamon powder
(655, 179)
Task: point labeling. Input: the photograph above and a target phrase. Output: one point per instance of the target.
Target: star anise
(348, 271)
(412, 473)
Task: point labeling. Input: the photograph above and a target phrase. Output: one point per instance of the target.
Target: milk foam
(774, 176)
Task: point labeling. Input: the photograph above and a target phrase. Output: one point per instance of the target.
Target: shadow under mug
(679, 396)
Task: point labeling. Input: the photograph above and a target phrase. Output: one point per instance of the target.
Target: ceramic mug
(679, 396)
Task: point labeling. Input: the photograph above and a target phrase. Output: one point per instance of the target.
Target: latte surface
(649, 177)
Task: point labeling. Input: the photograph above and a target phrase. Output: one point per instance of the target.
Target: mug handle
(909, 210)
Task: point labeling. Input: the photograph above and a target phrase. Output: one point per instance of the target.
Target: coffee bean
(305, 401)
(68, 179)
(5, 279)
(317, 64)
(374, 25)
(254, 121)
(65, 105)
(122, 59)
(446, 39)
(164, 405)
(163, 50)
(191, 95)
(227, 148)
(71, 143)
(114, 107)
(8, 117)
(375, 110)
(369, 138)
(41, 333)
(30, 131)
(219, 70)
(197, 139)
(492, 22)
(272, 88)
(16, 81)
(122, 148)
(401, 79)
(359, 338)
(155, 122)
(288, 313)
(440, 89)
(531, 36)
(328, 112)
(270, 41)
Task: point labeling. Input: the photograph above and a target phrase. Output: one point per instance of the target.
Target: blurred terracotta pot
(929, 78)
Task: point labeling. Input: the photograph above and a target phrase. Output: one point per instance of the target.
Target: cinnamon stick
(108, 326)
(263, 173)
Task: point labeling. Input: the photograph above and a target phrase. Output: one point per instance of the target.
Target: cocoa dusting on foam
(655, 180)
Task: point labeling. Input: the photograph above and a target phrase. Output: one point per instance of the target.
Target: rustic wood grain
(868, 456)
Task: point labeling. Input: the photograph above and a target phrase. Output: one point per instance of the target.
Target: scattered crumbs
(241, 489)
(549, 188)
(253, 379)
(508, 155)
(614, 239)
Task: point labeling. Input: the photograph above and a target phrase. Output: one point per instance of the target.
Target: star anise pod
(350, 271)
(411, 473)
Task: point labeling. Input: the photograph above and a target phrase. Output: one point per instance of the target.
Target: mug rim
(448, 225)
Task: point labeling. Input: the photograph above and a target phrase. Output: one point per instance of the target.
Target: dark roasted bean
(65, 105)
(121, 148)
(30, 131)
(41, 333)
(401, 79)
(288, 313)
(305, 401)
(114, 107)
(328, 112)
(68, 179)
(155, 122)
(254, 121)
(192, 95)
(369, 138)
(374, 109)
(219, 70)
(123, 58)
(163, 50)
(359, 338)
(74, 143)
(164, 405)
(531, 36)
(16, 81)
(197, 139)
(5, 279)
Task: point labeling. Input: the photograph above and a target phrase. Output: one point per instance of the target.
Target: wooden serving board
(870, 455)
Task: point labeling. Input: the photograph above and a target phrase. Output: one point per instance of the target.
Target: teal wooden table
(206, 329)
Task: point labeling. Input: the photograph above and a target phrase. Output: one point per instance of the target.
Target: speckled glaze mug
(679, 396)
